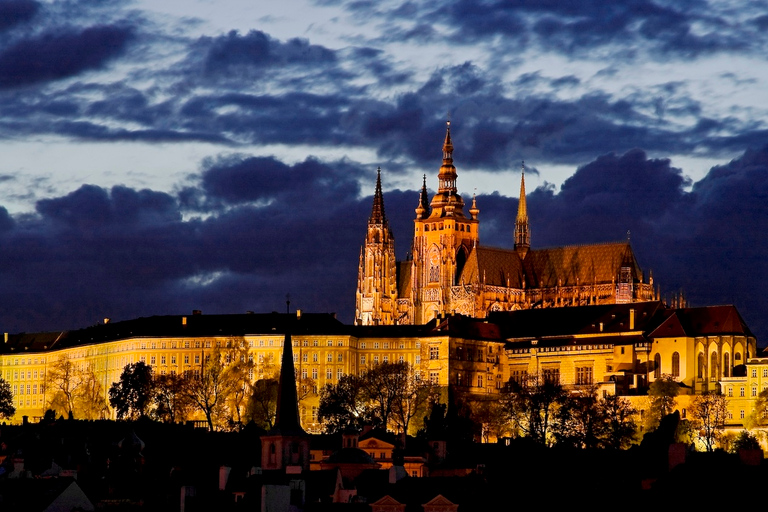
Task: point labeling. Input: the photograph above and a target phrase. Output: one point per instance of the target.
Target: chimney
(183, 320)
(601, 326)
(106, 321)
(197, 312)
(5, 337)
(298, 314)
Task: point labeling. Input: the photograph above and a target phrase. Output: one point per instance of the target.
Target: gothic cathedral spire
(522, 229)
(377, 275)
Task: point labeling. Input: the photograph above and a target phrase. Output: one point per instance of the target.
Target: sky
(220, 155)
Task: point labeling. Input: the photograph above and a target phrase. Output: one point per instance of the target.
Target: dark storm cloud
(15, 12)
(57, 55)
(236, 54)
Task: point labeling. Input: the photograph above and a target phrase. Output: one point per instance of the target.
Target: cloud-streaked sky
(217, 155)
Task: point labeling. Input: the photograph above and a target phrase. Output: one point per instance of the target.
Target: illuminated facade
(450, 272)
(618, 348)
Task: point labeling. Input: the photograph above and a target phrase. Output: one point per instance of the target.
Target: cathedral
(451, 272)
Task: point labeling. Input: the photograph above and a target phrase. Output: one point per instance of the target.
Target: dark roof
(537, 323)
(287, 409)
(704, 321)
(197, 325)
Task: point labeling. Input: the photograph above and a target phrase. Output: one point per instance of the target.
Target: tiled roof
(578, 265)
(404, 278)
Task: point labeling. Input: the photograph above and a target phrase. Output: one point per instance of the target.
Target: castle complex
(451, 272)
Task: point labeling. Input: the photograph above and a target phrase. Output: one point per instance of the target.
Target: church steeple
(377, 212)
(522, 229)
(287, 413)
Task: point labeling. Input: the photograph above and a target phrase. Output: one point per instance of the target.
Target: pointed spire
(474, 210)
(522, 228)
(447, 175)
(422, 211)
(377, 212)
(287, 413)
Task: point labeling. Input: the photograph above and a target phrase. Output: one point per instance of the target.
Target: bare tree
(207, 387)
(412, 400)
(709, 411)
(63, 380)
(620, 425)
(90, 401)
(238, 378)
(171, 402)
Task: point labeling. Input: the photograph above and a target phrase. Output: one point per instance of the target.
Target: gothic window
(657, 366)
(727, 365)
(434, 265)
(702, 366)
(713, 367)
(676, 364)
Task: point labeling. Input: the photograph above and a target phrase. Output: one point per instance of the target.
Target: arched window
(434, 265)
(737, 357)
(702, 373)
(657, 366)
(675, 364)
(714, 367)
(726, 365)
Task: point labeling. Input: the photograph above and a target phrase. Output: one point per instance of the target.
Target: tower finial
(474, 210)
(447, 175)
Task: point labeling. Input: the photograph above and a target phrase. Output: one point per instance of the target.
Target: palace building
(451, 272)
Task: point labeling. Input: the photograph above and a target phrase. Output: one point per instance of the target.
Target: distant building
(451, 272)
(620, 348)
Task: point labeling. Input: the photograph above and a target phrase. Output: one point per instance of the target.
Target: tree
(620, 426)
(6, 400)
(171, 403)
(745, 441)
(132, 395)
(579, 420)
(63, 381)
(343, 405)
(532, 406)
(662, 395)
(384, 387)
(207, 387)
(262, 404)
(90, 401)
(759, 415)
(709, 411)
(237, 376)
(412, 400)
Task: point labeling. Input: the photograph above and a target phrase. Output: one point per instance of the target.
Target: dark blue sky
(219, 155)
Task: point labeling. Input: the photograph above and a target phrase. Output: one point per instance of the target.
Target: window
(552, 375)
(754, 391)
(330, 343)
(339, 373)
(362, 359)
(162, 359)
(314, 343)
(186, 358)
(153, 360)
(418, 359)
(657, 366)
(375, 359)
(375, 344)
(305, 357)
(702, 366)
(730, 391)
(741, 392)
(173, 359)
(329, 358)
(329, 374)
(386, 359)
(197, 359)
(754, 373)
(675, 364)
(765, 372)
(303, 373)
(314, 357)
(314, 373)
(401, 359)
(584, 375)
(434, 352)
(741, 414)
(340, 358)
(479, 381)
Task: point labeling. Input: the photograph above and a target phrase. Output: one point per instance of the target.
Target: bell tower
(376, 295)
(443, 239)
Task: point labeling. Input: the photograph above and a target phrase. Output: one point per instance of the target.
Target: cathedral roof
(578, 265)
(546, 268)
(404, 278)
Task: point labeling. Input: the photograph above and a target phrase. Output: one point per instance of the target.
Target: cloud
(16, 12)
(56, 55)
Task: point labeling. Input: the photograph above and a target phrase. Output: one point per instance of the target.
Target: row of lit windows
(17, 362)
